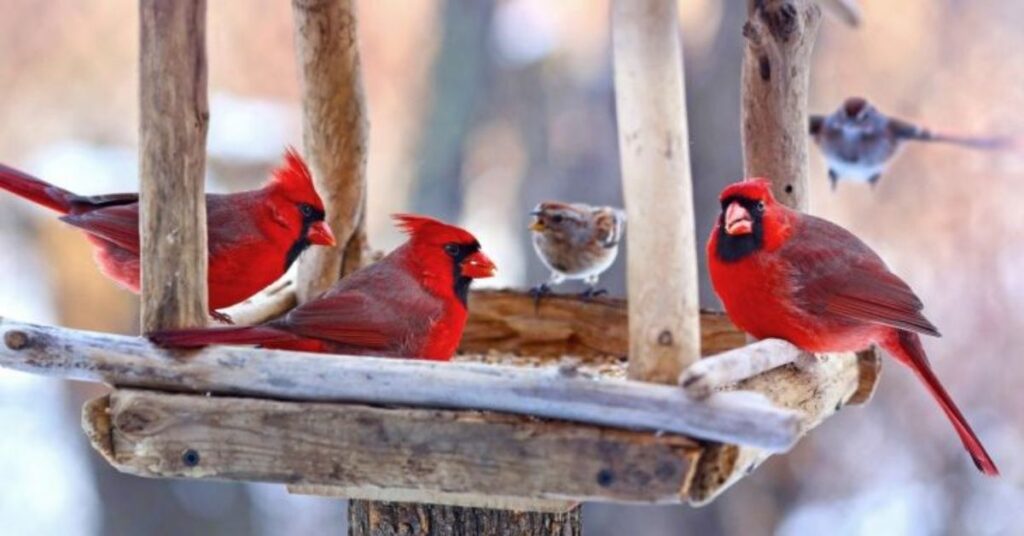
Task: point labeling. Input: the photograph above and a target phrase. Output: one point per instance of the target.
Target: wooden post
(173, 116)
(664, 326)
(780, 37)
(335, 131)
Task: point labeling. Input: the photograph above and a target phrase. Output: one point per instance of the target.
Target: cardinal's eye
(451, 249)
(306, 210)
(760, 206)
(557, 218)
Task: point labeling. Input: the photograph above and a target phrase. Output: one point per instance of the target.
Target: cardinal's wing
(836, 275)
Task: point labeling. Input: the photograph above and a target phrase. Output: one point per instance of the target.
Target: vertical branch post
(780, 37)
(664, 324)
(172, 153)
(335, 131)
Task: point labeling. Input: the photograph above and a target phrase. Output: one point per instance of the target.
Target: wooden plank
(335, 131)
(173, 116)
(664, 324)
(510, 321)
(551, 392)
(400, 519)
(164, 435)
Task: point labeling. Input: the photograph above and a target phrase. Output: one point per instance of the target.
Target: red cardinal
(411, 303)
(787, 275)
(253, 236)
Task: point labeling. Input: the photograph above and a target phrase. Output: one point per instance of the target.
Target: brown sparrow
(576, 241)
(858, 140)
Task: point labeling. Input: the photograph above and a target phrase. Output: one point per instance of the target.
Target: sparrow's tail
(988, 143)
(908, 349)
(35, 190)
(199, 337)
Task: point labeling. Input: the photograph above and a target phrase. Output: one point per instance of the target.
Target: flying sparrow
(858, 140)
(576, 241)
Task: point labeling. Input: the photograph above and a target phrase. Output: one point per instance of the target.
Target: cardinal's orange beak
(738, 220)
(478, 266)
(320, 234)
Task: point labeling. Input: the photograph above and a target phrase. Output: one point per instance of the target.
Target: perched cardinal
(858, 141)
(576, 241)
(787, 275)
(253, 237)
(411, 303)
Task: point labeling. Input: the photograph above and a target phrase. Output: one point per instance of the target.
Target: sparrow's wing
(839, 277)
(906, 130)
(118, 224)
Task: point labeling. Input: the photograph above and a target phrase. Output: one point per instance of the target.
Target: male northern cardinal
(858, 140)
(576, 241)
(787, 275)
(411, 303)
(253, 237)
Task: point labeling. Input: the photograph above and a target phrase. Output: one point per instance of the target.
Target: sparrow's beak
(737, 220)
(320, 234)
(478, 266)
(537, 224)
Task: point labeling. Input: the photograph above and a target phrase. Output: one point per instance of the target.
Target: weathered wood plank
(173, 116)
(550, 392)
(664, 324)
(510, 321)
(163, 435)
(335, 130)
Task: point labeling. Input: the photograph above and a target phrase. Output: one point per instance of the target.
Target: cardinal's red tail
(197, 338)
(908, 349)
(35, 190)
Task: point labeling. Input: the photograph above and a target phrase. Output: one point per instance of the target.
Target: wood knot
(605, 478)
(665, 338)
(782, 22)
(190, 458)
(16, 340)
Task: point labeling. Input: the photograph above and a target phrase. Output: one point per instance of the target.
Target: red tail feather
(35, 190)
(197, 338)
(908, 349)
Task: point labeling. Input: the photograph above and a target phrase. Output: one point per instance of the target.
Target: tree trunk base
(373, 518)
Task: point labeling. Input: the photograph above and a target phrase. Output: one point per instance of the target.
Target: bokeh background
(481, 108)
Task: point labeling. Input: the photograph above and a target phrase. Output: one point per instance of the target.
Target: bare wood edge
(869, 363)
(465, 500)
(549, 392)
(154, 434)
(96, 425)
(272, 302)
(848, 11)
(664, 325)
(817, 388)
(335, 133)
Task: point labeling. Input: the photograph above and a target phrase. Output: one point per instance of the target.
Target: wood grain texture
(367, 518)
(173, 117)
(664, 324)
(335, 130)
(509, 321)
(780, 37)
(164, 435)
(549, 391)
(466, 500)
(817, 388)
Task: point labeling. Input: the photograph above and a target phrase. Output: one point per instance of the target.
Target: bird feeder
(546, 408)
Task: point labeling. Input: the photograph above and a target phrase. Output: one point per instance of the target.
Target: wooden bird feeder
(543, 410)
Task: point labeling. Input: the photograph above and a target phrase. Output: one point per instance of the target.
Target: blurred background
(481, 108)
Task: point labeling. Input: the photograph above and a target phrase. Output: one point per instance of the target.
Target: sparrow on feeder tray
(575, 241)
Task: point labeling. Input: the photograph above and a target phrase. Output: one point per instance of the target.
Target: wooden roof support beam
(335, 131)
(664, 330)
(173, 116)
(370, 449)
